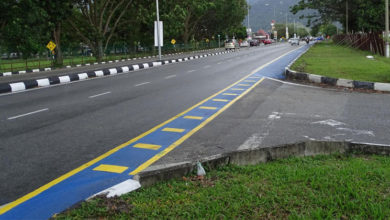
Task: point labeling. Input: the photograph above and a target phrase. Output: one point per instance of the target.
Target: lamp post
(346, 16)
(387, 29)
(158, 31)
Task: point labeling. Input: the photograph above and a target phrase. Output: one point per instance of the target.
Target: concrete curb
(291, 74)
(260, 155)
(54, 80)
(89, 64)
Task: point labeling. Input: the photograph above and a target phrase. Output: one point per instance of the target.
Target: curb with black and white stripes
(55, 80)
(291, 74)
(89, 64)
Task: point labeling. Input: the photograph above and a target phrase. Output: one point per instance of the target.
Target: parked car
(244, 44)
(231, 44)
(267, 41)
(254, 43)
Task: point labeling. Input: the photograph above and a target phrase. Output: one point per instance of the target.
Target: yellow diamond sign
(51, 45)
(173, 41)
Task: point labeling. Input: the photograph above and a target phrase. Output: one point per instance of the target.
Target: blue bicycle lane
(123, 162)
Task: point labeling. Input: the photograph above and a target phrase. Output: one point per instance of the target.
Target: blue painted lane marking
(88, 182)
(276, 69)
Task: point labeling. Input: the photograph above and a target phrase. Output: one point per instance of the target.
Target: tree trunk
(57, 40)
(99, 50)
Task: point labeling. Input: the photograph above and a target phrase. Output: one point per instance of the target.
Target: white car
(244, 44)
(231, 44)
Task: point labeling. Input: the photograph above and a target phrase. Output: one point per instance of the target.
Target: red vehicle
(267, 41)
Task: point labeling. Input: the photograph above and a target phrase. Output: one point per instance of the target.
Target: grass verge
(329, 59)
(320, 187)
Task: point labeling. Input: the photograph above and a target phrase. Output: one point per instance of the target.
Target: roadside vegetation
(98, 28)
(321, 187)
(329, 59)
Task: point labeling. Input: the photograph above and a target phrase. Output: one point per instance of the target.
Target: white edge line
(30, 113)
(94, 96)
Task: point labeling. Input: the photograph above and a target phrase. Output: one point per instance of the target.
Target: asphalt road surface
(47, 132)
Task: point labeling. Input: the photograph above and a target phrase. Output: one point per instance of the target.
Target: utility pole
(287, 37)
(248, 17)
(294, 27)
(346, 19)
(158, 31)
(387, 29)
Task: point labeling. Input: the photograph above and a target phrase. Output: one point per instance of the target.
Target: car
(231, 44)
(244, 44)
(294, 41)
(267, 41)
(254, 43)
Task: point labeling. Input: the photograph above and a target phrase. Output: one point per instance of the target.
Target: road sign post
(158, 31)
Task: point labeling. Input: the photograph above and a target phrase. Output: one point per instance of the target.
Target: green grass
(322, 187)
(329, 59)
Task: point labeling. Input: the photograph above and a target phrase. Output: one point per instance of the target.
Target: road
(47, 132)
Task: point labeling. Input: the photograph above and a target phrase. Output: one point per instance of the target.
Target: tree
(57, 11)
(23, 27)
(96, 22)
(363, 15)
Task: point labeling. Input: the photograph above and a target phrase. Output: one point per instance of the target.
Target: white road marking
(171, 76)
(219, 63)
(190, 71)
(141, 84)
(329, 122)
(94, 96)
(30, 113)
(207, 66)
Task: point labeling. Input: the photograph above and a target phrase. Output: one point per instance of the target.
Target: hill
(262, 12)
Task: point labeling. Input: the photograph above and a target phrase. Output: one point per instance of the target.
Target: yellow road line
(231, 94)
(208, 108)
(110, 168)
(177, 130)
(220, 100)
(147, 146)
(189, 134)
(34, 193)
(193, 117)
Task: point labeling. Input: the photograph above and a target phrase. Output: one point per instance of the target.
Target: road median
(335, 65)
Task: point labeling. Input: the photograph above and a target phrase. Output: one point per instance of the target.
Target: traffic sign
(207, 40)
(51, 45)
(173, 41)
